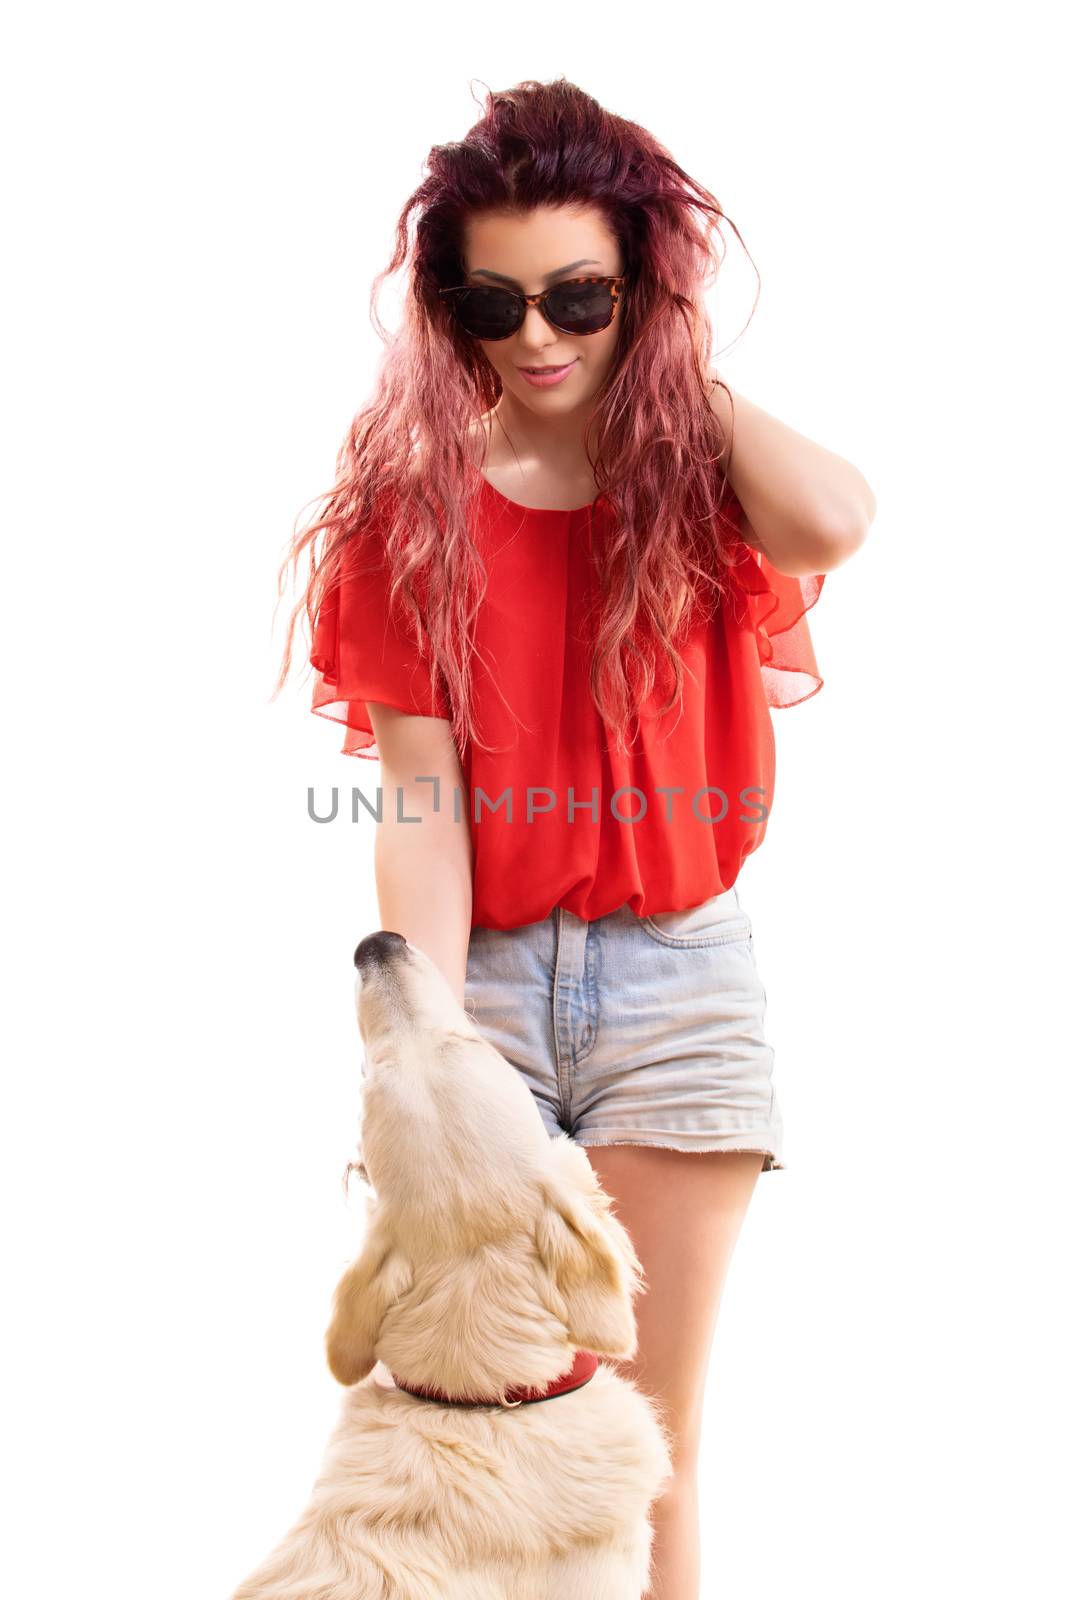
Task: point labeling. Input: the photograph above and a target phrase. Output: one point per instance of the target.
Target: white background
(197, 199)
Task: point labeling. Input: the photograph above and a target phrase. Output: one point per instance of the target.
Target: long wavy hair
(410, 464)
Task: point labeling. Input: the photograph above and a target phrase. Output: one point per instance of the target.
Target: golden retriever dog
(482, 1452)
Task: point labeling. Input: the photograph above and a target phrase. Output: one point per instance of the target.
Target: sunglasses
(581, 305)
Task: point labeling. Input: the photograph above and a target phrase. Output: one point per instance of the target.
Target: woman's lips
(545, 377)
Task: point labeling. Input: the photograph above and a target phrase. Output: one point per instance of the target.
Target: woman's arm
(806, 508)
(423, 869)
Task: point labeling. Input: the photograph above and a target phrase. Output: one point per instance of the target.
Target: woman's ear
(370, 1286)
(588, 1255)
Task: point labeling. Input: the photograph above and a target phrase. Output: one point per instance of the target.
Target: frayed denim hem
(699, 1144)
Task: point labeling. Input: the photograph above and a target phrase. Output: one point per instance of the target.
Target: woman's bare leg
(683, 1210)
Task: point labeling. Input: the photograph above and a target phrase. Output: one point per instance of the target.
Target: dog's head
(491, 1251)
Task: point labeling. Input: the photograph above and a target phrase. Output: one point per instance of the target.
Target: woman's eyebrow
(483, 272)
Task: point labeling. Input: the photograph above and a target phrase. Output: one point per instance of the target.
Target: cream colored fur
(491, 1255)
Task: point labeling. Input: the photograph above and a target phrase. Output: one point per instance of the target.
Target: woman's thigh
(683, 1211)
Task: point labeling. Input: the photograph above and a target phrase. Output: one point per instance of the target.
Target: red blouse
(715, 749)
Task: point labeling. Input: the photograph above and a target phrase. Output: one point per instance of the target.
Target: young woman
(564, 577)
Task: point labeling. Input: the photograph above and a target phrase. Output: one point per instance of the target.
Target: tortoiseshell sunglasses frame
(536, 300)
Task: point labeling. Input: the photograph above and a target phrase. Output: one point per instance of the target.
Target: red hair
(409, 465)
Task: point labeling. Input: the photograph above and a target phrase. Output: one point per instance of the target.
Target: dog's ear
(369, 1287)
(588, 1254)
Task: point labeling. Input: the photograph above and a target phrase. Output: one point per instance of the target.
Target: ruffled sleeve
(776, 605)
(360, 652)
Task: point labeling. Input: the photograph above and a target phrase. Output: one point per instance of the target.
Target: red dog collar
(584, 1365)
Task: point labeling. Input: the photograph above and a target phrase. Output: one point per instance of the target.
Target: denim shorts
(635, 1030)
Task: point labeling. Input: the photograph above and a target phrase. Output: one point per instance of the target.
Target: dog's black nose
(379, 947)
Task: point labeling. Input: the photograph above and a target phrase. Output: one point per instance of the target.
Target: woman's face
(550, 244)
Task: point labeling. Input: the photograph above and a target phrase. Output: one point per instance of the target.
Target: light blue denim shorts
(635, 1030)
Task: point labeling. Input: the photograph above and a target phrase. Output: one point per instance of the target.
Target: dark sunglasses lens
(488, 313)
(572, 307)
(580, 307)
